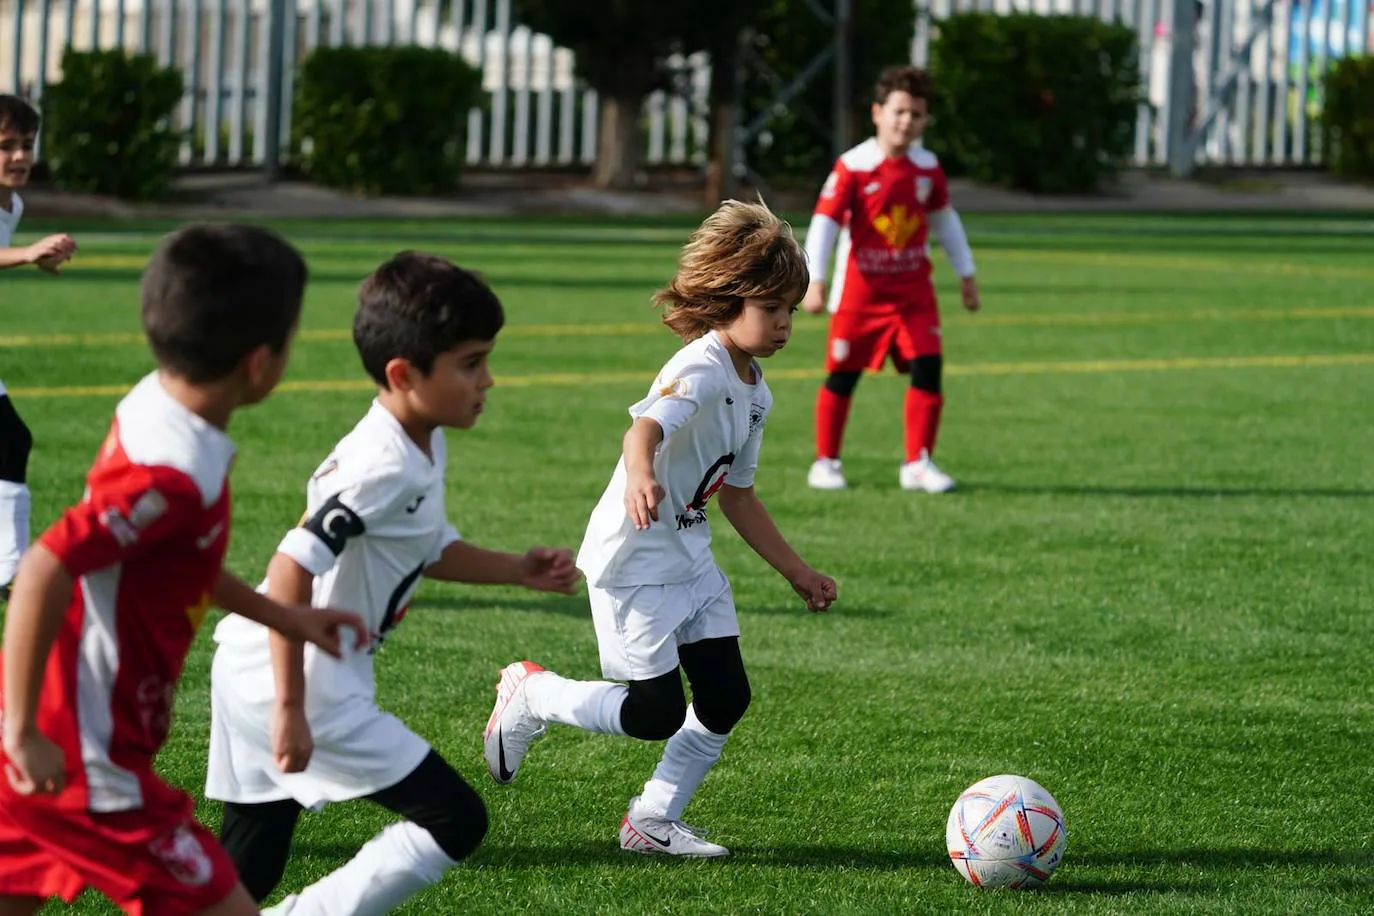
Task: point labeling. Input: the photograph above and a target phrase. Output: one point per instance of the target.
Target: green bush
(384, 120)
(107, 127)
(799, 138)
(1348, 118)
(1038, 103)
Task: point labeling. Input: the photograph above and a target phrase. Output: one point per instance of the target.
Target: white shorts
(359, 749)
(639, 627)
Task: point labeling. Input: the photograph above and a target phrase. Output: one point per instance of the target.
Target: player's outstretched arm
(322, 626)
(544, 569)
(289, 583)
(47, 253)
(747, 513)
(42, 590)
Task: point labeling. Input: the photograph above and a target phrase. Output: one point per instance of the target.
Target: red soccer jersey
(885, 202)
(144, 547)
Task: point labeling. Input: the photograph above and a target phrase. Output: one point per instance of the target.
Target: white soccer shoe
(511, 728)
(825, 474)
(922, 474)
(649, 835)
(281, 909)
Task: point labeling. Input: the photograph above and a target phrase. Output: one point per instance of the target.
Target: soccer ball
(1006, 831)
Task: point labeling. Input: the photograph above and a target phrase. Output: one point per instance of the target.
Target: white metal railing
(1250, 96)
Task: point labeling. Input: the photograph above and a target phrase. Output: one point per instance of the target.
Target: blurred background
(404, 96)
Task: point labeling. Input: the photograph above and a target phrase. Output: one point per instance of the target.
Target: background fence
(1250, 96)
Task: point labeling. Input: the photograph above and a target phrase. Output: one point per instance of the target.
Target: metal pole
(843, 89)
(276, 32)
(1182, 101)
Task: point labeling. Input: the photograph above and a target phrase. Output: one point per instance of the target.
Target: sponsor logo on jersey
(677, 388)
(897, 226)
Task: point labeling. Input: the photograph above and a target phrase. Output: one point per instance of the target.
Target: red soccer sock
(831, 413)
(922, 422)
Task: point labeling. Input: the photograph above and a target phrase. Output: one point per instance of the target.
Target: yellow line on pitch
(1174, 262)
(1020, 255)
(633, 329)
(587, 379)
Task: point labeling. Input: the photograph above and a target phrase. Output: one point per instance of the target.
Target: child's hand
(969, 292)
(324, 627)
(545, 569)
(817, 590)
(48, 253)
(813, 303)
(642, 496)
(36, 766)
(292, 743)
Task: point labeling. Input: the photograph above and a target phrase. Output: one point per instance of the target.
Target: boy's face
(455, 390)
(763, 327)
(16, 158)
(900, 120)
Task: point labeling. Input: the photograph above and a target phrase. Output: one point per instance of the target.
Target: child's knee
(720, 711)
(463, 825)
(655, 709)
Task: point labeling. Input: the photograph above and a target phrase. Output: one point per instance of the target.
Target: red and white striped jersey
(886, 203)
(144, 547)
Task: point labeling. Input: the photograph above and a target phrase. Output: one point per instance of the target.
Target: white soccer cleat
(825, 474)
(283, 908)
(922, 474)
(512, 727)
(649, 835)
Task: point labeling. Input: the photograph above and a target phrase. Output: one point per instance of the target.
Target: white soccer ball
(1006, 831)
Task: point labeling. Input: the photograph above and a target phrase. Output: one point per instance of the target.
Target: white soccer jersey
(712, 428)
(9, 220)
(374, 521)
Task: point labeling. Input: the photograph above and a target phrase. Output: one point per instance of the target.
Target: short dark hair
(212, 293)
(18, 116)
(417, 306)
(914, 81)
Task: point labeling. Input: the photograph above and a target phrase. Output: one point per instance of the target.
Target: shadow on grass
(1166, 492)
(576, 606)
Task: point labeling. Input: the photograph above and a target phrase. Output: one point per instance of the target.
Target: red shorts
(864, 337)
(156, 861)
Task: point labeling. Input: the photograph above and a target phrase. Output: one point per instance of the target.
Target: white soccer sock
(14, 527)
(591, 705)
(392, 867)
(687, 758)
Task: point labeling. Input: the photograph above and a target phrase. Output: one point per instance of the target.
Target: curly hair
(742, 251)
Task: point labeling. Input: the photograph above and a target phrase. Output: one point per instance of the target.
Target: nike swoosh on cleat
(665, 843)
(506, 775)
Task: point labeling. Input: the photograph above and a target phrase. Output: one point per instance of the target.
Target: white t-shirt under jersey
(374, 521)
(9, 221)
(712, 428)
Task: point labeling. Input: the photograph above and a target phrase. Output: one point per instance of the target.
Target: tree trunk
(721, 181)
(620, 147)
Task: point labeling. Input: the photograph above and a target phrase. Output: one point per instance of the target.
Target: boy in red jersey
(889, 195)
(106, 604)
